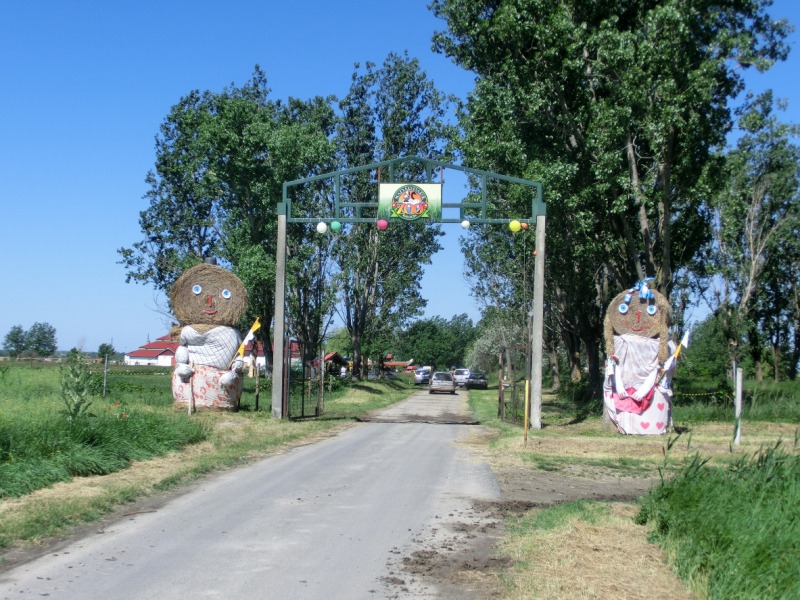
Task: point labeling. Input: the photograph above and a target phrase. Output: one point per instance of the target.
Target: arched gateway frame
(350, 212)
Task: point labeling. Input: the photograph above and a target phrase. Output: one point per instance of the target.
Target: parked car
(461, 375)
(442, 381)
(422, 376)
(476, 381)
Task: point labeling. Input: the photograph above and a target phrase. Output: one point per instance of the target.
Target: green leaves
(76, 382)
(39, 340)
(617, 109)
(390, 112)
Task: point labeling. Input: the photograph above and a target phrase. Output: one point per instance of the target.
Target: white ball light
(322, 227)
(465, 223)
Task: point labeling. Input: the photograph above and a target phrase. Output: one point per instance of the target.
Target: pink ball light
(383, 224)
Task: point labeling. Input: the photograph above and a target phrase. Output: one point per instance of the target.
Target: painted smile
(210, 312)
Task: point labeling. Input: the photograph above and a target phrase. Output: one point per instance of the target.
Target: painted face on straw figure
(636, 388)
(208, 302)
(642, 312)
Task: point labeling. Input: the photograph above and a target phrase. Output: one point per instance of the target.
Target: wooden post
(279, 330)
(537, 337)
(737, 437)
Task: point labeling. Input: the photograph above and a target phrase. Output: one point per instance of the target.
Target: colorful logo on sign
(410, 202)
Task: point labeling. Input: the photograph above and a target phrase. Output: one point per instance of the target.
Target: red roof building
(160, 353)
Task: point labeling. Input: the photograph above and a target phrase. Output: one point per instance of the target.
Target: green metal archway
(351, 212)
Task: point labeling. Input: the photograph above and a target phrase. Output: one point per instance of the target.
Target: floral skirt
(204, 391)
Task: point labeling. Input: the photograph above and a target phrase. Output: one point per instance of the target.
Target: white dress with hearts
(637, 359)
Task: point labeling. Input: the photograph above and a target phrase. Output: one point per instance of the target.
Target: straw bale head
(645, 317)
(207, 294)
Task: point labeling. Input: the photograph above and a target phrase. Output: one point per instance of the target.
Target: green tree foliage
(15, 341)
(756, 244)
(707, 356)
(389, 112)
(338, 340)
(310, 289)
(182, 225)
(40, 339)
(616, 108)
(106, 350)
(221, 161)
(437, 342)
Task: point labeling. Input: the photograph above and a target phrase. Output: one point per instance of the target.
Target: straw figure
(208, 302)
(636, 390)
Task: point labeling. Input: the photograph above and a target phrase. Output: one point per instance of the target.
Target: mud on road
(462, 557)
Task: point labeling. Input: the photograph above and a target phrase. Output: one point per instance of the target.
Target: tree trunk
(591, 334)
(555, 374)
(356, 341)
(573, 356)
(500, 399)
(776, 361)
(510, 374)
(755, 353)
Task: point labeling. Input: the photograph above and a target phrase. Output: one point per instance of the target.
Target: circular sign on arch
(410, 201)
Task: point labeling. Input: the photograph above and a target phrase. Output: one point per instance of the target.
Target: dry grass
(612, 559)
(711, 440)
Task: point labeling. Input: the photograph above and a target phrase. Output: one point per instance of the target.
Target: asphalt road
(332, 520)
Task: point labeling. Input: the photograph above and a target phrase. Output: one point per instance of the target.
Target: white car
(461, 376)
(442, 381)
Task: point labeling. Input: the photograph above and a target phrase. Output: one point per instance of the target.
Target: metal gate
(512, 405)
(304, 384)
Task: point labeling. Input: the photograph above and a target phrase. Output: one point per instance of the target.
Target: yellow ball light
(515, 226)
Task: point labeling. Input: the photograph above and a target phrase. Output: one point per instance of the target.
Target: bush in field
(734, 528)
(76, 383)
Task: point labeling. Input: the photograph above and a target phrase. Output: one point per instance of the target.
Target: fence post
(737, 402)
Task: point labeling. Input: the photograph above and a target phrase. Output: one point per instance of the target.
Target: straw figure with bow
(641, 361)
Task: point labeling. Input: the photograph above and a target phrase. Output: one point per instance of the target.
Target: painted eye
(197, 289)
(651, 310)
(226, 294)
(623, 308)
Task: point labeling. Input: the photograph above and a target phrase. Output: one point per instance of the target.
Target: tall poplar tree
(617, 107)
(758, 221)
(389, 112)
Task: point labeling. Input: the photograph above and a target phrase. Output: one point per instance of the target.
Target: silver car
(422, 376)
(442, 381)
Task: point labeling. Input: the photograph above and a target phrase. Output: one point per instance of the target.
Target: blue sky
(86, 85)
